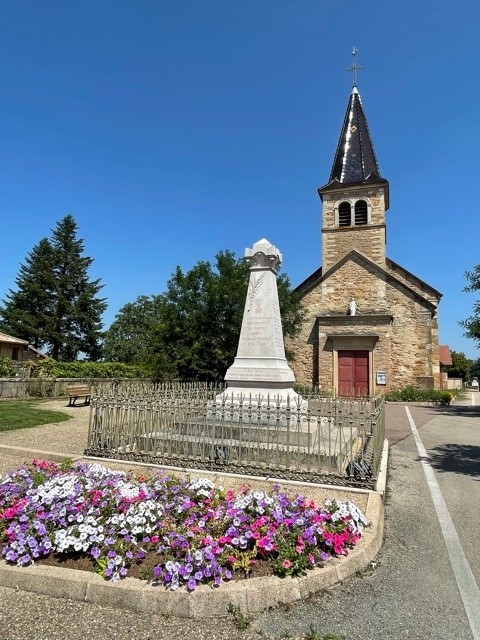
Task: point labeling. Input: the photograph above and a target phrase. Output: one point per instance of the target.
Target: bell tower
(356, 197)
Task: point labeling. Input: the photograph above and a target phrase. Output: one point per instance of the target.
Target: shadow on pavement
(457, 410)
(457, 458)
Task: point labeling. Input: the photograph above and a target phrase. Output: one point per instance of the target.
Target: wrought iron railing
(199, 425)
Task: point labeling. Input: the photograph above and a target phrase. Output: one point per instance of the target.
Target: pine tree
(27, 312)
(56, 307)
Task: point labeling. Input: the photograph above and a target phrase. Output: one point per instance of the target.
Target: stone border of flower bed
(251, 596)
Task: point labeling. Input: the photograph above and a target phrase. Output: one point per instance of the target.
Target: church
(370, 325)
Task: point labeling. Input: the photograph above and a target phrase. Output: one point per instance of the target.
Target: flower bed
(172, 531)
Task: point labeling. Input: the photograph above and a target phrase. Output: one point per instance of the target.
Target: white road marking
(473, 399)
(468, 588)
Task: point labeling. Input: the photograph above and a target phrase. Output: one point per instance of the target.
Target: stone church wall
(367, 240)
(411, 281)
(407, 342)
(414, 342)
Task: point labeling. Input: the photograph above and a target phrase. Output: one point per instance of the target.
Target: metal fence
(202, 426)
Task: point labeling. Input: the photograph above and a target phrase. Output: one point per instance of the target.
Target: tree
(476, 368)
(197, 335)
(56, 307)
(191, 331)
(27, 312)
(130, 336)
(472, 324)
(461, 368)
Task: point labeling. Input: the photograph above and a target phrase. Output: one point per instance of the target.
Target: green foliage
(50, 369)
(27, 312)
(40, 388)
(196, 336)
(472, 324)
(191, 332)
(66, 464)
(7, 370)
(244, 560)
(461, 368)
(240, 620)
(199, 329)
(129, 338)
(414, 394)
(476, 368)
(313, 634)
(55, 306)
(24, 415)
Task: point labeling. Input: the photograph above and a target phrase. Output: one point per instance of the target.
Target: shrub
(7, 370)
(52, 369)
(41, 388)
(414, 394)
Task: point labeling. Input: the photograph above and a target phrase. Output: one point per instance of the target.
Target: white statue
(352, 307)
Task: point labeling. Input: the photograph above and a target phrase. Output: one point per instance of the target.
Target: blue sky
(173, 129)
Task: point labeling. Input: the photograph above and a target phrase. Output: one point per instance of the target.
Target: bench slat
(76, 391)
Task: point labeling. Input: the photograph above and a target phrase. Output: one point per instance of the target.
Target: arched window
(361, 212)
(344, 214)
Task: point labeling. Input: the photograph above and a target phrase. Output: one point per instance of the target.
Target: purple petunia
(196, 529)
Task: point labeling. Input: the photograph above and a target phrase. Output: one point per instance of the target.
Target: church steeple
(356, 197)
(355, 160)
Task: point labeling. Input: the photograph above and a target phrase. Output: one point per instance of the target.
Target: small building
(18, 350)
(445, 358)
(371, 325)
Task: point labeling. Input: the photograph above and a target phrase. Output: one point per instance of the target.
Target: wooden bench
(76, 391)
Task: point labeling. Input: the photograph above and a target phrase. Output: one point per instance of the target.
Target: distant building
(18, 350)
(370, 325)
(445, 358)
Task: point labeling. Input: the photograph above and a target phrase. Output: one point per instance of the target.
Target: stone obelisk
(260, 367)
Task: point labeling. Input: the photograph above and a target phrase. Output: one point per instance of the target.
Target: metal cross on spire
(355, 67)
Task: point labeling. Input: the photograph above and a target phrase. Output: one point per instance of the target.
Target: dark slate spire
(355, 161)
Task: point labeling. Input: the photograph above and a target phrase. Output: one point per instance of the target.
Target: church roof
(355, 161)
(427, 297)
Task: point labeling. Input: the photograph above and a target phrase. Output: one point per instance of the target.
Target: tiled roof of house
(445, 356)
(4, 337)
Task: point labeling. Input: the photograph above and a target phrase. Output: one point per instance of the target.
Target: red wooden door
(353, 373)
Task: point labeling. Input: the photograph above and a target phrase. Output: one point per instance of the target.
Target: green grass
(24, 415)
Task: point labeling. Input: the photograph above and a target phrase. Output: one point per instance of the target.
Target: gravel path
(27, 616)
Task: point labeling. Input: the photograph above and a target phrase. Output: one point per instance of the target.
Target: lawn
(23, 415)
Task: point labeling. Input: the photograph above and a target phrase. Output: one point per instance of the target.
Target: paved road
(411, 593)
